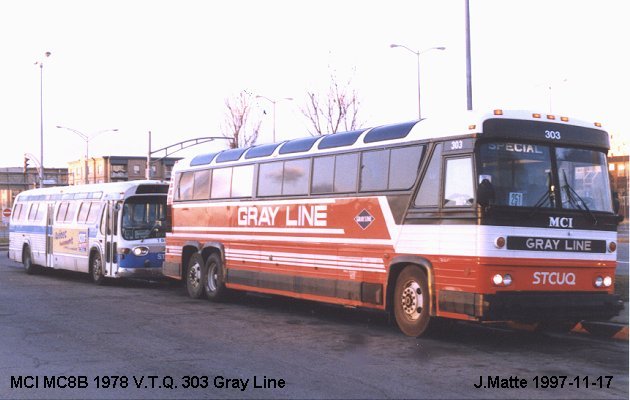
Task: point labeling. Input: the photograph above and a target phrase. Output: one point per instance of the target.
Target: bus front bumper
(139, 273)
(532, 306)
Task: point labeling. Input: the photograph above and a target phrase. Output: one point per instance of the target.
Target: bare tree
(334, 111)
(241, 124)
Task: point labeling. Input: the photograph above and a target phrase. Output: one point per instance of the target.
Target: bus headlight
(605, 281)
(502, 280)
(140, 251)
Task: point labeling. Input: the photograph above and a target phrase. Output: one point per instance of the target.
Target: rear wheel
(194, 278)
(96, 269)
(27, 261)
(411, 301)
(214, 285)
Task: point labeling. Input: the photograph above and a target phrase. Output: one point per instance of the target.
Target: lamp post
(274, 110)
(41, 118)
(417, 53)
(87, 144)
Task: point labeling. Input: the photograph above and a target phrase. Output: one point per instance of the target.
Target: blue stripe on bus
(133, 261)
(27, 229)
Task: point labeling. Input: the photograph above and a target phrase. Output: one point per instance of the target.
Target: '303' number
(552, 135)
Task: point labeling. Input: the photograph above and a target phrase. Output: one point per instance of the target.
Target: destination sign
(556, 244)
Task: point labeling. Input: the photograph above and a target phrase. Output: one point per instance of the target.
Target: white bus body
(110, 230)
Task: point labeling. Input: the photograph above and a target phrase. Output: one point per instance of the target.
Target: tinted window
(185, 187)
(270, 179)
(221, 180)
(296, 176)
(335, 173)
(403, 167)
(346, 173)
(323, 174)
(428, 195)
(242, 181)
(374, 170)
(201, 186)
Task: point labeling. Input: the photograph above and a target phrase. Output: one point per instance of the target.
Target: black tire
(27, 261)
(96, 269)
(213, 283)
(411, 301)
(194, 276)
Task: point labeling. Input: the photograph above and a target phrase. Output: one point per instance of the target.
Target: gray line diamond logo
(364, 219)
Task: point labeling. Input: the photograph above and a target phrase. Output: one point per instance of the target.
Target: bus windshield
(143, 217)
(522, 175)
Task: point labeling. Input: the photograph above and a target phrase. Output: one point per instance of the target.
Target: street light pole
(274, 110)
(469, 103)
(417, 53)
(87, 145)
(41, 118)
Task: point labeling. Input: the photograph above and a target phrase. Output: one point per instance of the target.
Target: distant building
(118, 168)
(13, 180)
(618, 168)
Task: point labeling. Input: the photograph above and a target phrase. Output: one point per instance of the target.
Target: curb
(606, 330)
(603, 330)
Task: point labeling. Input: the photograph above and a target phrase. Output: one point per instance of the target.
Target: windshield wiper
(549, 195)
(574, 199)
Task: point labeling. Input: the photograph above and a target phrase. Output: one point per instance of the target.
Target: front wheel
(96, 269)
(411, 301)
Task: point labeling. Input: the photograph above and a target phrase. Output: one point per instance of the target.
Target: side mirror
(616, 203)
(485, 193)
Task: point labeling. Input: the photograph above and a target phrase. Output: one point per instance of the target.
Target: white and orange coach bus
(485, 217)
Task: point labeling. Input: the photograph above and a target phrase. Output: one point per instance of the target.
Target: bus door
(50, 218)
(111, 237)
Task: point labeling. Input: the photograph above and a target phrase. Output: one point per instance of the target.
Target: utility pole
(468, 62)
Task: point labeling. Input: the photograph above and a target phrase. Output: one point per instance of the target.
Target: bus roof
(455, 124)
(107, 190)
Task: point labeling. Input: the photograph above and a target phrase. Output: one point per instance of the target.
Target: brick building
(118, 168)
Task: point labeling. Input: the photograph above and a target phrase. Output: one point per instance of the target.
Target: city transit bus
(503, 216)
(109, 230)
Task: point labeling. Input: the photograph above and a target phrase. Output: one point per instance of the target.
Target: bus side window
(15, 215)
(458, 184)
(61, 212)
(428, 195)
(83, 212)
(33, 211)
(403, 167)
(72, 208)
(93, 213)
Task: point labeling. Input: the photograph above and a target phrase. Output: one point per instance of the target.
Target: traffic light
(26, 160)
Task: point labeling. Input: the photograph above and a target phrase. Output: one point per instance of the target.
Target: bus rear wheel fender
(396, 267)
(187, 252)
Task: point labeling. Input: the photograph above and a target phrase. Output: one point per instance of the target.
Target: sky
(168, 66)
